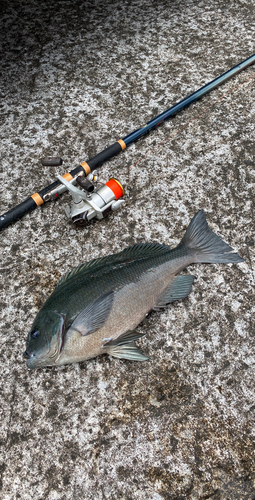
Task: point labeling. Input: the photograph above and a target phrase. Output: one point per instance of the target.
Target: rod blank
(188, 100)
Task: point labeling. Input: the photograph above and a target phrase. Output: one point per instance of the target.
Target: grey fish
(96, 307)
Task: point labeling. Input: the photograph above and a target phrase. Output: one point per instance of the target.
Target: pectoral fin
(94, 315)
(178, 289)
(124, 347)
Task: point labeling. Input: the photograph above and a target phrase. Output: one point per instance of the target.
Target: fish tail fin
(205, 245)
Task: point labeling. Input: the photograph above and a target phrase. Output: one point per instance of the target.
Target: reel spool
(93, 200)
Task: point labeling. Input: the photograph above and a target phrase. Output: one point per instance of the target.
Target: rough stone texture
(76, 77)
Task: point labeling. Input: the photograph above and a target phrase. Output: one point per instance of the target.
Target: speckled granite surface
(76, 77)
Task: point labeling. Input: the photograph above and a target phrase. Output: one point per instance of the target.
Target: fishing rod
(98, 203)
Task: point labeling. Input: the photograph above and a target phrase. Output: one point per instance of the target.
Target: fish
(96, 307)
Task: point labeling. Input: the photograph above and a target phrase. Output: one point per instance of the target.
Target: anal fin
(127, 351)
(124, 347)
(177, 290)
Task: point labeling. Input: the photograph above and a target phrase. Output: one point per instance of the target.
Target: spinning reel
(94, 199)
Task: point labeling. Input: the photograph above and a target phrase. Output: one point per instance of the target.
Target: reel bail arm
(92, 203)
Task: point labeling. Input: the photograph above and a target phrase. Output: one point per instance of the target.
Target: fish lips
(33, 361)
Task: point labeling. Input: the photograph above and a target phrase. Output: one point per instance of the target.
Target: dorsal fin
(135, 252)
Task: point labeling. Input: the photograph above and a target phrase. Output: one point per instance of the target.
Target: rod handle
(106, 154)
(32, 202)
(17, 212)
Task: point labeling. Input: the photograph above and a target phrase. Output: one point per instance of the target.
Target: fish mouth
(37, 360)
(34, 361)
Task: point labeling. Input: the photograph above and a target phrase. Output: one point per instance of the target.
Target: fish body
(96, 307)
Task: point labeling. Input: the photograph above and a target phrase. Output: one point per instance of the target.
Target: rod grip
(17, 212)
(105, 155)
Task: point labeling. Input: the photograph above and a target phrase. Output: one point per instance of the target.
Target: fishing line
(188, 123)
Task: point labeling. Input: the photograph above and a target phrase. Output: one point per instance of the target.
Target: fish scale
(96, 307)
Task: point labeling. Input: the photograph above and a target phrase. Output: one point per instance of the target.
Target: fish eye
(35, 334)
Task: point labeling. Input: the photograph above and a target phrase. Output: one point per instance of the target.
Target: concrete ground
(76, 77)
